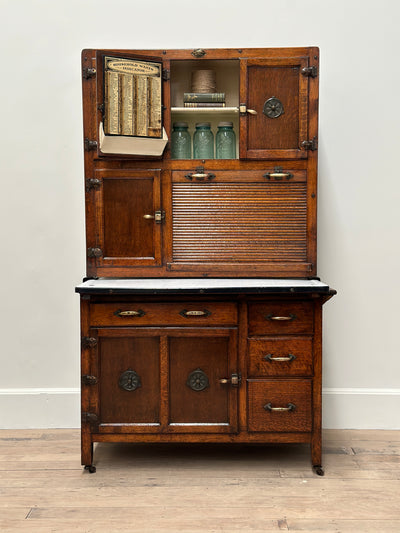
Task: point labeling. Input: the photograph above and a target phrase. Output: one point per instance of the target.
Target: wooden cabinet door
(127, 205)
(128, 371)
(275, 92)
(198, 401)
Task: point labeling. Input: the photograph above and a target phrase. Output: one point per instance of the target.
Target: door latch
(235, 380)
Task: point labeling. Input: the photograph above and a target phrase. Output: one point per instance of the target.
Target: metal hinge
(89, 380)
(310, 145)
(92, 183)
(166, 75)
(88, 72)
(94, 252)
(90, 145)
(312, 72)
(90, 418)
(88, 342)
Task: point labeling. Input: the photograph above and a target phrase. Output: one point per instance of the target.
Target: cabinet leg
(86, 450)
(316, 455)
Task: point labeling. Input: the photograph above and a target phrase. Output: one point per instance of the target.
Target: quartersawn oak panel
(279, 394)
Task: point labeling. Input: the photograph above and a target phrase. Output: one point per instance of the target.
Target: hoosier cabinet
(201, 311)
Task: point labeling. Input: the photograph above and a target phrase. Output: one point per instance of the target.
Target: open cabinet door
(274, 96)
(129, 98)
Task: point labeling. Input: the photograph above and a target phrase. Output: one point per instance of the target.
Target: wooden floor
(199, 489)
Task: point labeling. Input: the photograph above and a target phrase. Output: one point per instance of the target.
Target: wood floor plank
(192, 489)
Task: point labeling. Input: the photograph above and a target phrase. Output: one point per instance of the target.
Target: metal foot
(91, 468)
(318, 470)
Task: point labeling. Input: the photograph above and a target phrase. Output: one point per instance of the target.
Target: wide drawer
(279, 318)
(282, 406)
(170, 314)
(280, 356)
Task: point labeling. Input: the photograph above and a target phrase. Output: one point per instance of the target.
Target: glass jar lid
(203, 124)
(180, 125)
(225, 124)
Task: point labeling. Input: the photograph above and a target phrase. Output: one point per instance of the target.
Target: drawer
(280, 356)
(280, 318)
(160, 314)
(282, 406)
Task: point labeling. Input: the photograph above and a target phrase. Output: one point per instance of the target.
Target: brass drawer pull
(137, 313)
(270, 357)
(278, 174)
(280, 318)
(200, 176)
(189, 314)
(290, 407)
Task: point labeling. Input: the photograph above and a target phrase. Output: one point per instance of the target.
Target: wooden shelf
(206, 110)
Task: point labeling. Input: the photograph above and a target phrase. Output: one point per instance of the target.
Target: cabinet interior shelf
(206, 110)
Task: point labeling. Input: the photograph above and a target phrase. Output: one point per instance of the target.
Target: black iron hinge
(90, 145)
(166, 75)
(94, 252)
(88, 72)
(310, 145)
(92, 183)
(89, 380)
(88, 342)
(311, 72)
(90, 418)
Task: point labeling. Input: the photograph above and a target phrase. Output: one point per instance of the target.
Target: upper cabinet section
(147, 104)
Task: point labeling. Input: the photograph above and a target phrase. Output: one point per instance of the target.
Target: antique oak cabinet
(201, 312)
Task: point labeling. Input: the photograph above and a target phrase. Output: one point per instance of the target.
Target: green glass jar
(225, 141)
(203, 141)
(180, 141)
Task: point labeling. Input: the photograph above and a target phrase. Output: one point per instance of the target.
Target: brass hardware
(280, 318)
(235, 380)
(200, 175)
(278, 174)
(92, 183)
(243, 110)
(89, 145)
(94, 252)
(137, 313)
(158, 216)
(310, 145)
(312, 72)
(188, 314)
(270, 357)
(88, 72)
(273, 108)
(197, 380)
(89, 380)
(166, 74)
(88, 342)
(129, 381)
(199, 52)
(290, 407)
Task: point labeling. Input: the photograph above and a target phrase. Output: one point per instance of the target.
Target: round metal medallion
(129, 380)
(197, 380)
(273, 108)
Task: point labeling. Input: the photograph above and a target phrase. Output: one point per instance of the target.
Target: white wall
(42, 205)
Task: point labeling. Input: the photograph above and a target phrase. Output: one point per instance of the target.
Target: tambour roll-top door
(240, 217)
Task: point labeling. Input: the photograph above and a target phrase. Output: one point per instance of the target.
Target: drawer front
(280, 318)
(281, 406)
(171, 314)
(280, 356)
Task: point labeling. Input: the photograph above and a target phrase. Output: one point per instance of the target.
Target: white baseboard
(348, 408)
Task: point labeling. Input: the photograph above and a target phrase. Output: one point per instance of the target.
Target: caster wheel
(318, 470)
(91, 468)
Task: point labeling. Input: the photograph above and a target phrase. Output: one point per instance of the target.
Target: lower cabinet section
(220, 368)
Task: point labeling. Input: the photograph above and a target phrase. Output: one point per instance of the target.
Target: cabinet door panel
(278, 93)
(129, 380)
(127, 235)
(198, 401)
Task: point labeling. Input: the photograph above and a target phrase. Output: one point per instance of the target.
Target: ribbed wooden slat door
(240, 220)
